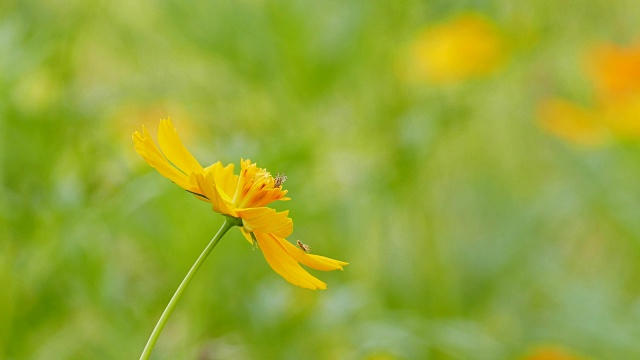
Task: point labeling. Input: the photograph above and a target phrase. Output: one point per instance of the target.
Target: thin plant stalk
(228, 224)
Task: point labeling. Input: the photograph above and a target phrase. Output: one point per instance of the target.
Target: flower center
(257, 188)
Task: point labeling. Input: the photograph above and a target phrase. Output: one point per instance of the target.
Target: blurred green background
(471, 232)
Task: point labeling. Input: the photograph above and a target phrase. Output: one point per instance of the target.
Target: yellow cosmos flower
(457, 50)
(216, 184)
(242, 197)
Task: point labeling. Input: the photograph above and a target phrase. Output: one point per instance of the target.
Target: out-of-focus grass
(471, 233)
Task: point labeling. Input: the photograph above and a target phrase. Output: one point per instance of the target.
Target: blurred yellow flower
(571, 122)
(462, 48)
(36, 91)
(243, 197)
(615, 74)
(622, 117)
(551, 352)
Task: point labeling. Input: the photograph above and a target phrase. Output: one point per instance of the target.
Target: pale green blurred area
(470, 233)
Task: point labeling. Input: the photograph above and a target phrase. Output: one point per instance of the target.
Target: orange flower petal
(247, 235)
(152, 155)
(172, 148)
(313, 261)
(224, 177)
(220, 202)
(286, 266)
(267, 220)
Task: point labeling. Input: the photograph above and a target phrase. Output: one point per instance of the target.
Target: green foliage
(470, 232)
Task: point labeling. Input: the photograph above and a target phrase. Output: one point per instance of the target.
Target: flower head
(244, 196)
(217, 184)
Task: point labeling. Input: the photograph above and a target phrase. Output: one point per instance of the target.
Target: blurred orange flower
(462, 48)
(551, 352)
(571, 122)
(614, 72)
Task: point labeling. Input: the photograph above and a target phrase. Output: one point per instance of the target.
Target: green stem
(229, 222)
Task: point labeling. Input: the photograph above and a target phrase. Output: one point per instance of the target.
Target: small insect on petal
(306, 248)
(279, 180)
